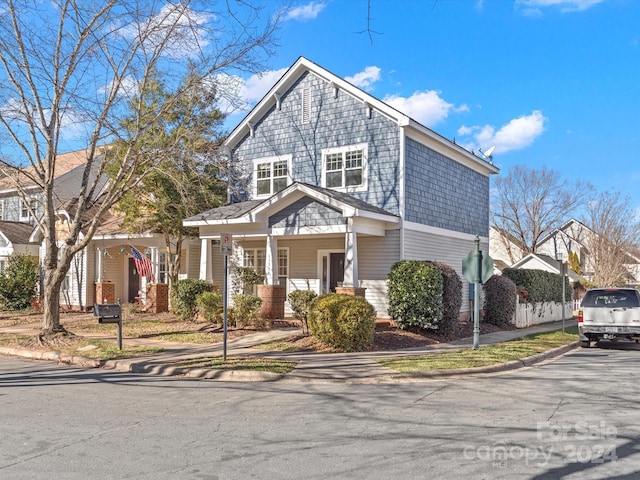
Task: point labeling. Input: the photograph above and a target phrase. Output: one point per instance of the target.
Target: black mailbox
(108, 312)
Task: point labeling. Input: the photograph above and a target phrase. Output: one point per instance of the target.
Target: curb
(131, 366)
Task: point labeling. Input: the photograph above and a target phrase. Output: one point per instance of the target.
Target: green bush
(18, 282)
(184, 294)
(451, 299)
(414, 290)
(499, 300)
(246, 310)
(209, 305)
(537, 285)
(300, 302)
(342, 321)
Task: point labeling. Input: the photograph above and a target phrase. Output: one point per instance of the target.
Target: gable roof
(65, 163)
(17, 233)
(247, 211)
(550, 264)
(303, 65)
(563, 228)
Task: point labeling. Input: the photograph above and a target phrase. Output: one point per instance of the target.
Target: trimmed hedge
(210, 306)
(537, 286)
(451, 299)
(184, 294)
(499, 300)
(300, 302)
(342, 321)
(18, 282)
(246, 311)
(414, 290)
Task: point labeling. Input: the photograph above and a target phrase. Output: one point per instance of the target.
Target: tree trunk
(51, 303)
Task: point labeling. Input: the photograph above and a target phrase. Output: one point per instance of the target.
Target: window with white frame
(26, 209)
(1, 209)
(163, 273)
(344, 168)
(257, 258)
(271, 175)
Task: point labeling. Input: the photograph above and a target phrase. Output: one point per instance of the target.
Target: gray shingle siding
(336, 121)
(306, 213)
(443, 193)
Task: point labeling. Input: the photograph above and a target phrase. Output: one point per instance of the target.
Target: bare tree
(528, 204)
(71, 67)
(613, 238)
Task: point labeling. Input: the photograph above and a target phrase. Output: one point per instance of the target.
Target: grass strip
(486, 355)
(239, 363)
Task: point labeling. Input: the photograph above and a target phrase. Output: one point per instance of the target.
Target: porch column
(351, 257)
(271, 261)
(99, 265)
(206, 271)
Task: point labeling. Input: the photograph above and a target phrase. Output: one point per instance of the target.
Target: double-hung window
(257, 258)
(26, 209)
(271, 175)
(344, 168)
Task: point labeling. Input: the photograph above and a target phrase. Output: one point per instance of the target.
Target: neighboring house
(330, 187)
(105, 270)
(536, 261)
(572, 236)
(504, 248)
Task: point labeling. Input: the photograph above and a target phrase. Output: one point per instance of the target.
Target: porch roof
(17, 233)
(247, 211)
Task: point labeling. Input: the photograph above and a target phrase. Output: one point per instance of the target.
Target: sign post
(477, 268)
(226, 249)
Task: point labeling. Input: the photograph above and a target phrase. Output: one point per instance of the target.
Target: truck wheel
(585, 343)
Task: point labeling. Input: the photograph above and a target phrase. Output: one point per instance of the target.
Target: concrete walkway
(358, 367)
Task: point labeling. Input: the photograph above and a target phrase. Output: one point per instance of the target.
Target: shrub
(300, 302)
(540, 286)
(210, 306)
(451, 299)
(499, 300)
(342, 321)
(18, 282)
(414, 290)
(246, 310)
(184, 294)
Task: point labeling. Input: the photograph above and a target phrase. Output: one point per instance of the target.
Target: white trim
(419, 227)
(305, 105)
(321, 253)
(318, 230)
(343, 150)
(271, 160)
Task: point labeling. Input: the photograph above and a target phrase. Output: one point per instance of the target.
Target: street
(576, 417)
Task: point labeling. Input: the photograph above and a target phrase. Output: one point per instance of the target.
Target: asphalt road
(576, 417)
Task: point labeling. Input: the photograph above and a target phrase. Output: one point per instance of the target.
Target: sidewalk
(357, 367)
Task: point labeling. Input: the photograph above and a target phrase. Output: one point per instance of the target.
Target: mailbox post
(110, 313)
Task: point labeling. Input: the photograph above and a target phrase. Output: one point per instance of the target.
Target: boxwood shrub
(414, 290)
(538, 285)
(451, 299)
(499, 300)
(184, 294)
(300, 302)
(342, 321)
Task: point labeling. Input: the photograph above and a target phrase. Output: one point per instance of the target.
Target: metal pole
(119, 327)
(224, 309)
(563, 269)
(476, 298)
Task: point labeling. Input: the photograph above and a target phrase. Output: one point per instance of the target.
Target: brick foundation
(157, 298)
(105, 290)
(273, 298)
(353, 291)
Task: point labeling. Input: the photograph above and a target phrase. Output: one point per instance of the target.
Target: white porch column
(271, 261)
(99, 265)
(206, 270)
(351, 257)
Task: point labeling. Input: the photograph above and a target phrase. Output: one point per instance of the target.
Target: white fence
(528, 314)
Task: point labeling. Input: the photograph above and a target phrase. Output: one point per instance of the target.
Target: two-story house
(331, 186)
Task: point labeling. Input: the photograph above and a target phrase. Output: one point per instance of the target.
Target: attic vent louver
(306, 105)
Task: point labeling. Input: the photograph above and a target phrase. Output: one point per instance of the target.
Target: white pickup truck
(609, 313)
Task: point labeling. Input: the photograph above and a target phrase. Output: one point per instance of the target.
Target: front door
(134, 281)
(336, 270)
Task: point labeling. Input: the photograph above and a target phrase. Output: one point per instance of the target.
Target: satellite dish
(488, 153)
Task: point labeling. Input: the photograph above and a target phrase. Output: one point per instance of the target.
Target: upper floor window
(271, 175)
(344, 168)
(26, 209)
(1, 209)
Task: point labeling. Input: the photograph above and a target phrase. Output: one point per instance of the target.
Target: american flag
(143, 264)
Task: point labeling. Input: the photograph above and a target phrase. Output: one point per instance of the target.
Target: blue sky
(552, 83)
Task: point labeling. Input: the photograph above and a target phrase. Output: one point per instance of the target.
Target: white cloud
(515, 135)
(534, 7)
(428, 107)
(305, 12)
(184, 27)
(366, 78)
(238, 94)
